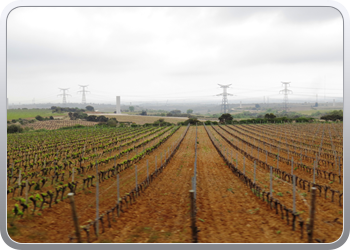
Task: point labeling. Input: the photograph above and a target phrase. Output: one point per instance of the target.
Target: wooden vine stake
(75, 217)
(310, 230)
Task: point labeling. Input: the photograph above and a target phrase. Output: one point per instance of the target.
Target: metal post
(147, 173)
(27, 193)
(294, 193)
(243, 164)
(97, 201)
(19, 177)
(193, 218)
(75, 217)
(271, 181)
(136, 179)
(292, 167)
(314, 172)
(73, 174)
(254, 170)
(312, 215)
(118, 212)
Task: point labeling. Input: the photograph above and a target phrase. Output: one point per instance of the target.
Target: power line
(285, 91)
(64, 94)
(83, 91)
(224, 104)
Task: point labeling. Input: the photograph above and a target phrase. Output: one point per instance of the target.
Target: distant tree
(51, 117)
(92, 118)
(14, 129)
(102, 118)
(225, 117)
(39, 118)
(131, 108)
(143, 112)
(189, 111)
(257, 106)
(191, 121)
(53, 107)
(90, 108)
(270, 116)
(175, 112)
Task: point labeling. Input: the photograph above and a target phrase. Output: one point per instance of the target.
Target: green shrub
(14, 129)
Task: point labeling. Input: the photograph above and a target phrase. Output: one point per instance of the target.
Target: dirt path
(228, 212)
(161, 214)
(328, 223)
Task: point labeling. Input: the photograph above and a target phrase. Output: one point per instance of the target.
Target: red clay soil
(55, 224)
(283, 166)
(161, 214)
(328, 221)
(228, 212)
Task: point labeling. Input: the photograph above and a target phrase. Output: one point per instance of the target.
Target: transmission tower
(224, 104)
(285, 91)
(64, 94)
(83, 91)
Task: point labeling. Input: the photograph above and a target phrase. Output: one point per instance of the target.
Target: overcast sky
(177, 54)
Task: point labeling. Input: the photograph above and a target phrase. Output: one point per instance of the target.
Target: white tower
(118, 105)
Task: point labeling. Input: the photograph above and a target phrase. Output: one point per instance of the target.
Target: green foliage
(225, 118)
(14, 129)
(39, 118)
(90, 108)
(333, 116)
(270, 116)
(191, 121)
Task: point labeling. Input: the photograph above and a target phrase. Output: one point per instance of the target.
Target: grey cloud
(300, 15)
(309, 14)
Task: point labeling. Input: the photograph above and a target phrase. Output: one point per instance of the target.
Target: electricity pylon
(224, 104)
(64, 94)
(285, 91)
(83, 91)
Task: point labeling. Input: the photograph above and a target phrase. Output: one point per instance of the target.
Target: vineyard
(251, 184)
(56, 124)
